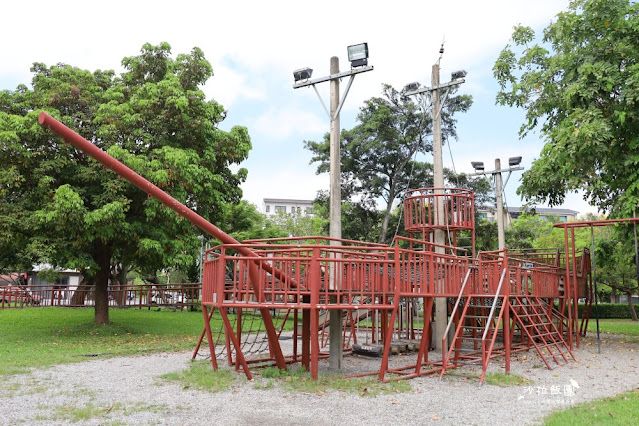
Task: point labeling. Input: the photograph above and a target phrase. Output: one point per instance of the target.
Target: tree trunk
(120, 285)
(633, 313)
(80, 293)
(387, 213)
(101, 294)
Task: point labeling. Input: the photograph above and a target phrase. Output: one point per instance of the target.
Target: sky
(254, 46)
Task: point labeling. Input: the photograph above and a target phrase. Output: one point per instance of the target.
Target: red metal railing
(421, 207)
(176, 295)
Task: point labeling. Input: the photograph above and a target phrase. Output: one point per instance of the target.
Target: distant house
(62, 287)
(512, 213)
(272, 206)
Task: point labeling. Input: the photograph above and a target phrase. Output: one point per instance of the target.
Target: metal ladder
(536, 321)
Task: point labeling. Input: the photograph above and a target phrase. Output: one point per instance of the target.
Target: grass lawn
(46, 336)
(614, 326)
(620, 410)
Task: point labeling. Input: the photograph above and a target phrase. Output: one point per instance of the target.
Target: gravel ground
(130, 391)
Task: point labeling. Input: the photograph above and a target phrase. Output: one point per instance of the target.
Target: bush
(609, 310)
(606, 310)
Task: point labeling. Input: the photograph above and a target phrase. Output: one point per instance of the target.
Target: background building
(512, 213)
(272, 206)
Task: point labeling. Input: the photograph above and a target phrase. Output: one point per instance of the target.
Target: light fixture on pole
(302, 74)
(478, 166)
(457, 75)
(412, 86)
(513, 162)
(358, 56)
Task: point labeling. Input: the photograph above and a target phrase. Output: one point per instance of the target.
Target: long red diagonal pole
(105, 159)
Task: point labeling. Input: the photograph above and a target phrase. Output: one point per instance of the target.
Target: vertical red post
(568, 285)
(315, 282)
(573, 328)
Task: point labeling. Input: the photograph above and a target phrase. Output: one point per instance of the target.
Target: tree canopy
(59, 206)
(378, 154)
(580, 88)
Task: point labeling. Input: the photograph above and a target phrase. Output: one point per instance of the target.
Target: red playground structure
(274, 296)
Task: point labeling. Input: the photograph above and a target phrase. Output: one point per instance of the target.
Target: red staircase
(477, 327)
(536, 320)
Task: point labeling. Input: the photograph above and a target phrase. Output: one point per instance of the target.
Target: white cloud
(255, 45)
(282, 123)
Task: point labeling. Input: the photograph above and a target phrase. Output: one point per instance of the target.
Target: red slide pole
(87, 147)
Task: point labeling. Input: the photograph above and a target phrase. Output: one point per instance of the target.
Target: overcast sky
(255, 45)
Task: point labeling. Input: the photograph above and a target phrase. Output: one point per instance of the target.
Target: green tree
(616, 263)
(525, 231)
(580, 88)
(298, 224)
(361, 221)
(378, 153)
(60, 206)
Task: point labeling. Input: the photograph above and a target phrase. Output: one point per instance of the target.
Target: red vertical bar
(236, 344)
(567, 285)
(209, 337)
(573, 328)
(314, 312)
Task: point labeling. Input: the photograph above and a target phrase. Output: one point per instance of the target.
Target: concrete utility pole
(513, 165)
(501, 236)
(335, 316)
(441, 306)
(441, 314)
(359, 64)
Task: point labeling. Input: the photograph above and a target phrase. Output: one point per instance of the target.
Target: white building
(512, 213)
(272, 206)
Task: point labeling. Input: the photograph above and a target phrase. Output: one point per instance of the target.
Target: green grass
(301, 381)
(39, 337)
(201, 376)
(35, 337)
(74, 414)
(505, 380)
(620, 326)
(620, 410)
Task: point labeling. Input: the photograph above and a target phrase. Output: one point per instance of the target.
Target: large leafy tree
(59, 206)
(378, 154)
(616, 263)
(580, 89)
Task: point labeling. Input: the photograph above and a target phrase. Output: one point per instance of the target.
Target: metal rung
(540, 324)
(471, 362)
(466, 350)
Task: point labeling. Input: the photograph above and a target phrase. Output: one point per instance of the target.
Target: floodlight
(412, 86)
(514, 161)
(458, 74)
(477, 165)
(302, 74)
(358, 54)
